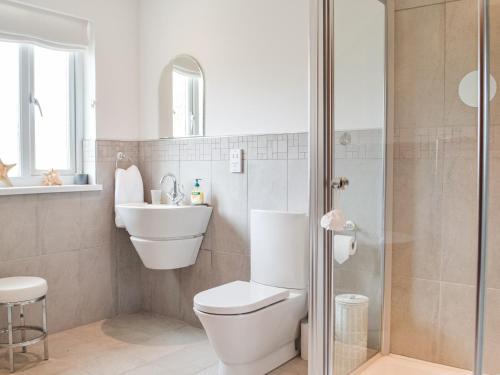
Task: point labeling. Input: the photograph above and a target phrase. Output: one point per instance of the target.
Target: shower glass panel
(359, 123)
(435, 202)
(406, 125)
(408, 122)
(491, 358)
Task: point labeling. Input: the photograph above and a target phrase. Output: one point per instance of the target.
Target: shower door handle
(339, 183)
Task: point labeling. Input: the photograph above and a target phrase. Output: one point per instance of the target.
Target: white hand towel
(128, 189)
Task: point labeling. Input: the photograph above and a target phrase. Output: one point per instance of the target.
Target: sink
(165, 237)
(161, 221)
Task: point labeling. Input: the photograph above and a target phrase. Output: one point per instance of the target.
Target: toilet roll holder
(350, 226)
(350, 229)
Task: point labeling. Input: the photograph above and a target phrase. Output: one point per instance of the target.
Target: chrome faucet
(176, 194)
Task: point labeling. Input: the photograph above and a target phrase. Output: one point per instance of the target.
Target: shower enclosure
(404, 106)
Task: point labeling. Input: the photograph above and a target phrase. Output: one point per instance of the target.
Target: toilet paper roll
(343, 248)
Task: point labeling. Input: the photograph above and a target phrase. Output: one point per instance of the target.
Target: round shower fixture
(467, 89)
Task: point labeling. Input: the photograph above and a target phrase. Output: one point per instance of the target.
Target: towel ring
(120, 156)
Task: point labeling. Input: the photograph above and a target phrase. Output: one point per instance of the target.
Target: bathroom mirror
(181, 96)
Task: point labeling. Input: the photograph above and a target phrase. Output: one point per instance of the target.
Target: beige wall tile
(97, 219)
(229, 222)
(146, 169)
(147, 289)
(18, 227)
(105, 175)
(227, 267)
(414, 318)
(60, 222)
(129, 281)
(195, 279)
(20, 267)
(166, 292)
(417, 219)
(97, 283)
(419, 64)
(267, 185)
(461, 58)
(298, 185)
(459, 229)
(456, 326)
(61, 270)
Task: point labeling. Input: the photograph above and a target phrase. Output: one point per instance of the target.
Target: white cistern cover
(279, 249)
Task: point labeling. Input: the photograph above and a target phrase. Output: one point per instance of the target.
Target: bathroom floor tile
(133, 344)
(128, 344)
(296, 366)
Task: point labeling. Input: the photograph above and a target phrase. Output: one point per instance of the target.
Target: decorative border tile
(106, 150)
(365, 144)
(255, 147)
(440, 142)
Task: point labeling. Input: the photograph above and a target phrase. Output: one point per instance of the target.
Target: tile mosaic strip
(441, 142)
(255, 147)
(359, 144)
(364, 144)
(106, 150)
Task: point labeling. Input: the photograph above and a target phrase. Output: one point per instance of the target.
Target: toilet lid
(238, 297)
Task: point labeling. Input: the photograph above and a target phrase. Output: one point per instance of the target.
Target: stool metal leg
(11, 339)
(46, 341)
(23, 332)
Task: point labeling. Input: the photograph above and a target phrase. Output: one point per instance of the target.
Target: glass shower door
(413, 184)
(491, 340)
(359, 144)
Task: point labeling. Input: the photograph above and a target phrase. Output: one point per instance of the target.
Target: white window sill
(20, 190)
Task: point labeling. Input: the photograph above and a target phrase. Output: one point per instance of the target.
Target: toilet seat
(238, 297)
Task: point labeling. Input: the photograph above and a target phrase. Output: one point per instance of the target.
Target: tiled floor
(138, 344)
(397, 365)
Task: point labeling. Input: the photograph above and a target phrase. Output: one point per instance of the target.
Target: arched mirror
(181, 95)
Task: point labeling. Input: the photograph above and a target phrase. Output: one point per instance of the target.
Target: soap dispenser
(197, 196)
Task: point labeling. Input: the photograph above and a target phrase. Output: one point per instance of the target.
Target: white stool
(22, 291)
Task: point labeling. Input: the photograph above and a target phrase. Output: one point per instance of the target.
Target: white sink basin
(165, 237)
(160, 222)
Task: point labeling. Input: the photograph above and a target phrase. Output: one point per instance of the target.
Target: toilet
(254, 326)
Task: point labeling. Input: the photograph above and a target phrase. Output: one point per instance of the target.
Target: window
(39, 108)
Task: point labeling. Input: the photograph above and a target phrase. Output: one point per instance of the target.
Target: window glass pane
(9, 106)
(52, 119)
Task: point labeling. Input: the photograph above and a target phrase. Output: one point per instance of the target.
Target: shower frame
(321, 142)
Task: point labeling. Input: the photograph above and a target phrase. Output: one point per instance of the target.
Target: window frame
(29, 175)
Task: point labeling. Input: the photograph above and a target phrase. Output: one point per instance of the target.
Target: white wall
(359, 64)
(117, 61)
(254, 55)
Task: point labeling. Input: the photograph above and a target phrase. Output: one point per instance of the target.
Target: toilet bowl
(254, 326)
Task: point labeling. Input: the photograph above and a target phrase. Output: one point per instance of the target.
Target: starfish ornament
(4, 173)
(51, 178)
